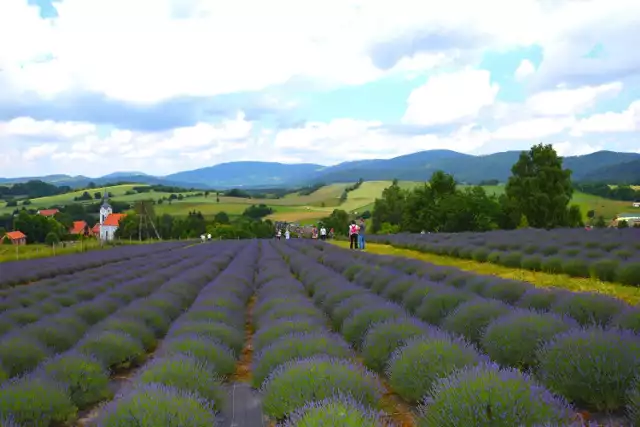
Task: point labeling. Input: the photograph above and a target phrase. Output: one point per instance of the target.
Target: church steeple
(105, 209)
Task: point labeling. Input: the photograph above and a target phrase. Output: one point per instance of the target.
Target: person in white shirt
(287, 234)
(323, 233)
(353, 235)
(209, 236)
(278, 234)
(203, 237)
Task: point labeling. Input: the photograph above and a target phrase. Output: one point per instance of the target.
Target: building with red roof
(109, 221)
(80, 228)
(48, 212)
(16, 237)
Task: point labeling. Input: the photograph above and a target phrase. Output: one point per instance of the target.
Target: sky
(158, 86)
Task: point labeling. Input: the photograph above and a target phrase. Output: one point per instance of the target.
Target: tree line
(624, 193)
(538, 194)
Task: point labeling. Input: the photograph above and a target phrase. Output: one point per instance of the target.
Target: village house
(109, 222)
(636, 204)
(50, 213)
(80, 228)
(16, 237)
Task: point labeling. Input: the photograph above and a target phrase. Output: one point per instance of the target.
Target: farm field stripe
(398, 411)
(543, 280)
(117, 381)
(243, 368)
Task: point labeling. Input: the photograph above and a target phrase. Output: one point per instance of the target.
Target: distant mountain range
(602, 166)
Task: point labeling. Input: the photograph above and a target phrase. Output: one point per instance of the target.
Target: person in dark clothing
(353, 235)
(361, 231)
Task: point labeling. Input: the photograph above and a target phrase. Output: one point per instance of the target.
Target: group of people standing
(315, 232)
(356, 235)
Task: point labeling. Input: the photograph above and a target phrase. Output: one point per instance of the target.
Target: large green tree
(541, 188)
(389, 208)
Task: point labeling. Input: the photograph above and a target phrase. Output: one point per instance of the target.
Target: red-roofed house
(96, 229)
(16, 237)
(80, 228)
(48, 212)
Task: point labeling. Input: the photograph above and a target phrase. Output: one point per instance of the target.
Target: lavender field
(326, 337)
(606, 254)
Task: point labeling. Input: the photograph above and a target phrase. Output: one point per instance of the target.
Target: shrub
(508, 291)
(628, 319)
(85, 378)
(510, 259)
(589, 308)
(132, 327)
(470, 318)
(604, 269)
(36, 402)
(414, 369)
(512, 339)
(297, 346)
(575, 268)
(185, 373)
(383, 338)
(334, 298)
(480, 255)
(414, 296)
(270, 333)
(538, 299)
(59, 333)
(485, 395)
(289, 311)
(593, 367)
(213, 353)
(552, 265)
(217, 331)
(230, 317)
(348, 306)
(437, 305)
(355, 326)
(20, 354)
(633, 404)
(340, 411)
(157, 405)
(299, 382)
(266, 306)
(629, 274)
(532, 263)
(396, 289)
(113, 349)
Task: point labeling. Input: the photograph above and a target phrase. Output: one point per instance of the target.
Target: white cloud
(626, 121)
(448, 98)
(43, 150)
(524, 70)
(141, 51)
(346, 139)
(533, 129)
(571, 101)
(574, 148)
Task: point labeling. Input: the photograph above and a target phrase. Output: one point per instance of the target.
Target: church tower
(105, 209)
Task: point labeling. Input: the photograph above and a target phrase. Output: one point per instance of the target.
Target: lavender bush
(293, 385)
(297, 346)
(414, 368)
(513, 339)
(342, 411)
(437, 305)
(356, 325)
(156, 405)
(485, 395)
(36, 402)
(205, 350)
(472, 317)
(383, 338)
(592, 367)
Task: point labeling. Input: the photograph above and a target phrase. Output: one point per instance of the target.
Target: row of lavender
(307, 375)
(578, 345)
(57, 373)
(609, 254)
(19, 272)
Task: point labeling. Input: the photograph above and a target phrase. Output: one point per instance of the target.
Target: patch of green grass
(544, 280)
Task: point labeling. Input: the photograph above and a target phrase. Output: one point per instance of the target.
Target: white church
(109, 221)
